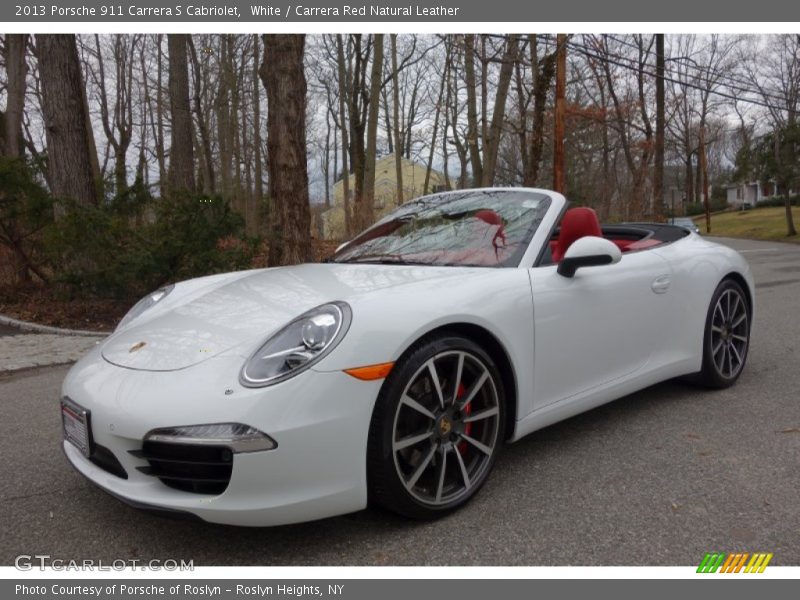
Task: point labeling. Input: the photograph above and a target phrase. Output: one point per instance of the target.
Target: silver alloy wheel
(730, 333)
(446, 428)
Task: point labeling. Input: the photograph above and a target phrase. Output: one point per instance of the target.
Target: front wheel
(727, 336)
(436, 429)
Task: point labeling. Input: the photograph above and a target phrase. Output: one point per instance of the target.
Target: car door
(599, 326)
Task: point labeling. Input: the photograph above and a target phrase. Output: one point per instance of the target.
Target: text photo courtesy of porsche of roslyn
(497, 297)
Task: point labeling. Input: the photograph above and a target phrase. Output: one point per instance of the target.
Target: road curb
(35, 327)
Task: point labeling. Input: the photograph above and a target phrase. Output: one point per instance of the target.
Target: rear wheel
(727, 336)
(436, 429)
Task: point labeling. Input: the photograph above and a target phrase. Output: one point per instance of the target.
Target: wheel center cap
(445, 426)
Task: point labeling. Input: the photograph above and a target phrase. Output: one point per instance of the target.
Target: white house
(752, 192)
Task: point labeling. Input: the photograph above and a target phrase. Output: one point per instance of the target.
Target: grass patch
(755, 224)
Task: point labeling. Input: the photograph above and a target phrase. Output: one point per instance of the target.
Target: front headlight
(146, 303)
(296, 347)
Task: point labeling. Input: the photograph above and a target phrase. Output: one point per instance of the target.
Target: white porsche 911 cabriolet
(396, 370)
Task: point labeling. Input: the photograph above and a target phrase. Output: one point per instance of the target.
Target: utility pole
(559, 130)
(704, 177)
(658, 175)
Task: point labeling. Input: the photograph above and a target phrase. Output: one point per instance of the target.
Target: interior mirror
(588, 251)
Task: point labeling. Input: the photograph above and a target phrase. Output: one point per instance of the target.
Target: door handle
(661, 284)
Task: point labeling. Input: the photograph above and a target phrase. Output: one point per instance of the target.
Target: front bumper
(320, 421)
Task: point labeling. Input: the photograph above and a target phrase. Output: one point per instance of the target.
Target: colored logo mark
(736, 562)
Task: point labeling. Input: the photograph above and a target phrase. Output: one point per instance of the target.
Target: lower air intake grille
(105, 459)
(192, 468)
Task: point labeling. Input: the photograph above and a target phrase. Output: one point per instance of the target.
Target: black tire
(450, 456)
(726, 340)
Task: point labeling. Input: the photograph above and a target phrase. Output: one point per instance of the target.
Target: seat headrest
(577, 223)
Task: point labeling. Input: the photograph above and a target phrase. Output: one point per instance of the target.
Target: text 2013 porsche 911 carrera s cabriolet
(397, 369)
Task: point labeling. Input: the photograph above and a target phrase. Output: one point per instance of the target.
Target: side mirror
(589, 251)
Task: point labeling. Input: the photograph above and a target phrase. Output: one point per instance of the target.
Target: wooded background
(131, 160)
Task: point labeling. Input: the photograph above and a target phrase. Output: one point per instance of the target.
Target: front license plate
(75, 420)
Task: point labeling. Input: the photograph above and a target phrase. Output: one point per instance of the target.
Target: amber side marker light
(370, 372)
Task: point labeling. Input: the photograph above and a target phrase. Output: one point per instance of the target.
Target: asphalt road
(657, 478)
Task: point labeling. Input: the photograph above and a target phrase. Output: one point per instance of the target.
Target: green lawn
(756, 224)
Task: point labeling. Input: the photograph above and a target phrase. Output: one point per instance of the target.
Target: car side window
(547, 256)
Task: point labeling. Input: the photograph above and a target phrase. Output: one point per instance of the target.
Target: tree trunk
(204, 147)
(787, 204)
(461, 148)
(159, 124)
(66, 119)
(119, 127)
(235, 131)
(12, 141)
(398, 163)
(658, 173)
(326, 160)
(283, 75)
(703, 177)
(543, 79)
(689, 176)
(491, 142)
(559, 130)
(94, 162)
(223, 103)
(258, 191)
(181, 160)
(358, 131)
(437, 115)
(16, 71)
(472, 109)
(367, 200)
(448, 93)
(343, 88)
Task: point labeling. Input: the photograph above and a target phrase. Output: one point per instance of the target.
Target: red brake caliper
(462, 447)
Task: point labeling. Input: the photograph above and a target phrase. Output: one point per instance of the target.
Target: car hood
(242, 310)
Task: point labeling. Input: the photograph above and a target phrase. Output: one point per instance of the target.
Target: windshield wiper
(381, 260)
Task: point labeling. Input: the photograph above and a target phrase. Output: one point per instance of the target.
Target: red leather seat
(577, 223)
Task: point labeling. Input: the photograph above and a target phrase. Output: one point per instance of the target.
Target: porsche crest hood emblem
(137, 346)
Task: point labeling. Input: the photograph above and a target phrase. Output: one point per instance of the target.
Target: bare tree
(70, 145)
(254, 212)
(632, 118)
(396, 118)
(181, 160)
(284, 79)
(11, 140)
(199, 88)
(344, 87)
(366, 202)
(532, 142)
(117, 121)
(491, 141)
(473, 141)
(658, 174)
(14, 52)
(439, 107)
(778, 82)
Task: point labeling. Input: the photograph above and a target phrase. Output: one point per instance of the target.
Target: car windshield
(486, 228)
